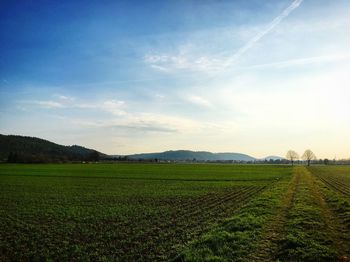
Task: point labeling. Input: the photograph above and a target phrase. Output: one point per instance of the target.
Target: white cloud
(118, 117)
(65, 98)
(181, 61)
(143, 122)
(181, 124)
(159, 96)
(113, 106)
(187, 58)
(301, 61)
(48, 104)
(275, 22)
(198, 100)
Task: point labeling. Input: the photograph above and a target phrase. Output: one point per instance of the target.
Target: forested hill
(191, 155)
(31, 149)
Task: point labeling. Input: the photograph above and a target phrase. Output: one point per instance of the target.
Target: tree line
(21, 149)
(22, 157)
(308, 156)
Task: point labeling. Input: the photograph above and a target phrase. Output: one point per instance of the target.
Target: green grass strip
(307, 236)
(238, 236)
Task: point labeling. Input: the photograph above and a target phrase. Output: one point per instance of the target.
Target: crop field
(179, 212)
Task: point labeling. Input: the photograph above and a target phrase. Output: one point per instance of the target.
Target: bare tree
(308, 156)
(292, 156)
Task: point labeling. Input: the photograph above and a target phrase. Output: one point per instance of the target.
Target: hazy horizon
(125, 77)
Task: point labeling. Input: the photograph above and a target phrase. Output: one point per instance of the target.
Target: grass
(238, 238)
(290, 221)
(182, 212)
(334, 185)
(211, 172)
(119, 212)
(307, 235)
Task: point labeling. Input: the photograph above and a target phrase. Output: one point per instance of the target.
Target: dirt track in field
(305, 185)
(268, 245)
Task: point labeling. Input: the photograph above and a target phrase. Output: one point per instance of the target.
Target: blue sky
(257, 77)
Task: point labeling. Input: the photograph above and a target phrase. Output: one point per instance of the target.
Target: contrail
(286, 12)
(231, 60)
(300, 61)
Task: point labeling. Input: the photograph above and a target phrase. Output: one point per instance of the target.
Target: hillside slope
(32, 149)
(179, 155)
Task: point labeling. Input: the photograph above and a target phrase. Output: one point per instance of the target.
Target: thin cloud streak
(116, 115)
(47, 104)
(286, 12)
(299, 62)
(199, 101)
(279, 64)
(115, 107)
(169, 63)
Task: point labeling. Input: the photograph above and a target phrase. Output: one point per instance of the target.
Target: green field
(183, 212)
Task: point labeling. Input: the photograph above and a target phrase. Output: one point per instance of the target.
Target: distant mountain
(179, 155)
(32, 149)
(274, 158)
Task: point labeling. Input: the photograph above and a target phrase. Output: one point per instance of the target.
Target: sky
(122, 77)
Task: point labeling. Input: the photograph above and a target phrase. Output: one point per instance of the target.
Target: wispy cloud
(64, 97)
(124, 125)
(276, 21)
(113, 106)
(198, 100)
(116, 115)
(146, 127)
(181, 61)
(47, 104)
(185, 60)
(141, 122)
(301, 61)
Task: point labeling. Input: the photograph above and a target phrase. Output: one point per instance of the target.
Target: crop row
(237, 237)
(336, 183)
(63, 213)
(148, 235)
(335, 189)
(181, 224)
